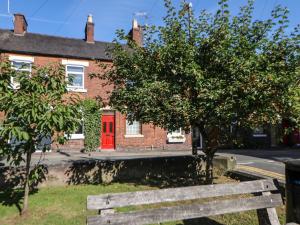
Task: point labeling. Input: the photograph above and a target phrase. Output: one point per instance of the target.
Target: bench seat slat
(177, 194)
(190, 211)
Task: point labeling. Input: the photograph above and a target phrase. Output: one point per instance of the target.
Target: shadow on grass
(12, 183)
(206, 221)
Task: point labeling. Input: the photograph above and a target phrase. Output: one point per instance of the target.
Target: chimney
(137, 33)
(20, 24)
(89, 30)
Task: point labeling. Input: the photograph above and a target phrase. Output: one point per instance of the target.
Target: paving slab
(53, 158)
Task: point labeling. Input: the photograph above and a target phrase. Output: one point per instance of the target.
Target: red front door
(108, 132)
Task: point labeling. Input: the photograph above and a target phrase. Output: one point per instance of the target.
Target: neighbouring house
(80, 56)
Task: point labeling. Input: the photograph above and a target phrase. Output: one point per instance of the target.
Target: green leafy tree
(209, 72)
(294, 113)
(39, 108)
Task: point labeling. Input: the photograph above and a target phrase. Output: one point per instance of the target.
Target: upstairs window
(21, 66)
(75, 76)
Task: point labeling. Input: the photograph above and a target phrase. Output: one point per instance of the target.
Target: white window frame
(76, 136)
(16, 85)
(75, 62)
(140, 135)
(176, 137)
(76, 88)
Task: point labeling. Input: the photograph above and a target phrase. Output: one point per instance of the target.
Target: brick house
(79, 57)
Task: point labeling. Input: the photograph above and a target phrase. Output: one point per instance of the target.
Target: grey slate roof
(39, 44)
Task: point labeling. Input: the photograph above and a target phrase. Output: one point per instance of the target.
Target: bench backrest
(107, 201)
(184, 211)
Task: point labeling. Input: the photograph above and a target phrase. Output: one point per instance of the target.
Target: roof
(39, 44)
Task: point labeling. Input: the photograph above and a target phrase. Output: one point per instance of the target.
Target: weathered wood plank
(177, 194)
(267, 216)
(190, 211)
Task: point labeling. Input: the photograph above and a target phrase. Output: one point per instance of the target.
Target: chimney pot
(135, 24)
(90, 18)
(20, 24)
(89, 30)
(137, 33)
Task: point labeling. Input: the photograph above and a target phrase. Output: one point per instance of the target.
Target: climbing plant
(91, 123)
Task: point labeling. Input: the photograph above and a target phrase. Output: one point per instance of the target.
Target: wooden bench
(263, 200)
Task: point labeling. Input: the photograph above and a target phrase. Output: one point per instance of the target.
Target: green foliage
(39, 108)
(294, 115)
(92, 124)
(207, 71)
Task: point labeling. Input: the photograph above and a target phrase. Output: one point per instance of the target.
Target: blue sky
(68, 17)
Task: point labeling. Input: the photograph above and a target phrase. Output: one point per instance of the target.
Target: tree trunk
(209, 172)
(26, 184)
(194, 149)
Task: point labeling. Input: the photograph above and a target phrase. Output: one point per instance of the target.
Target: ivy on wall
(92, 124)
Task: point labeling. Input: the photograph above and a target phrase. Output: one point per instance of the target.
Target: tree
(210, 72)
(37, 109)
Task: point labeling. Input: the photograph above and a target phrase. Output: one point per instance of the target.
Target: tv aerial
(141, 16)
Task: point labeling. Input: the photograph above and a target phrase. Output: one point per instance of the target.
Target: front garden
(67, 205)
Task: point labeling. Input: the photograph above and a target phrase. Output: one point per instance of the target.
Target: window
(133, 128)
(259, 132)
(176, 136)
(22, 66)
(75, 76)
(78, 133)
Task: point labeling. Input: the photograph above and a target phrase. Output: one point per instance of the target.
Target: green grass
(67, 205)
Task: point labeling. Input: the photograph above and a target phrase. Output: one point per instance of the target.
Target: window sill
(133, 135)
(176, 139)
(259, 135)
(73, 89)
(39, 151)
(76, 136)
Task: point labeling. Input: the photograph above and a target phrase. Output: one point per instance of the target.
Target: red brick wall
(94, 86)
(154, 137)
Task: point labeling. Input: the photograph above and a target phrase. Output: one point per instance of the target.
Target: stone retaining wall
(165, 170)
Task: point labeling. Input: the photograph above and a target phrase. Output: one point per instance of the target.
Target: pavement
(264, 162)
(54, 158)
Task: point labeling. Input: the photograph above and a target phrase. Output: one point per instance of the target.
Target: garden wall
(164, 170)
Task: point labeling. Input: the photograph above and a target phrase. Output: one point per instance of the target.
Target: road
(266, 162)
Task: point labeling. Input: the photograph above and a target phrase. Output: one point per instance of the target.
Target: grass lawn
(67, 205)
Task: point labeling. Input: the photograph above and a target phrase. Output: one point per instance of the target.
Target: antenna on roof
(142, 15)
(8, 7)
